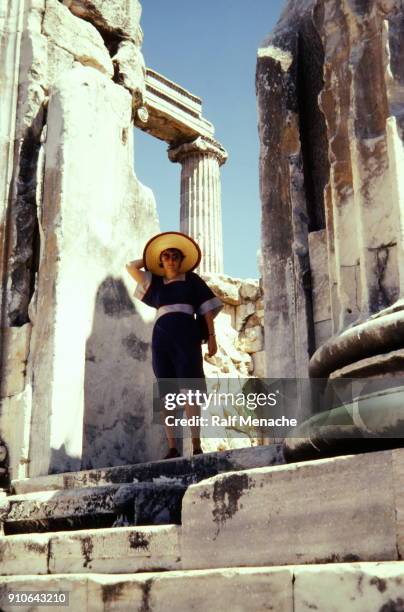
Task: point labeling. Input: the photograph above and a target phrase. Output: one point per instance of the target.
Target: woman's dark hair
(173, 249)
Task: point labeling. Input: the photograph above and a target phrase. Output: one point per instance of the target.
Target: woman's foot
(197, 451)
(172, 454)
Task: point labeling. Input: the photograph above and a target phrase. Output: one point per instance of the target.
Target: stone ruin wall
(239, 327)
(331, 98)
(72, 213)
(75, 358)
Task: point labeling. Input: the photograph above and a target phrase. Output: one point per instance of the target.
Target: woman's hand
(212, 346)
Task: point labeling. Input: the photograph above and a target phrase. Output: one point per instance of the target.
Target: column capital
(201, 145)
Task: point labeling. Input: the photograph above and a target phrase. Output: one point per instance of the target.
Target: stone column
(362, 102)
(200, 213)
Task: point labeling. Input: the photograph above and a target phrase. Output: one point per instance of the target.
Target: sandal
(197, 451)
(172, 454)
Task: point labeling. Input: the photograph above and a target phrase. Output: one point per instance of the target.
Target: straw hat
(171, 240)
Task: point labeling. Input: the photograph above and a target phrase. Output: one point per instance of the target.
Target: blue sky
(210, 48)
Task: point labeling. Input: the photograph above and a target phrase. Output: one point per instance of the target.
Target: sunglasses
(172, 256)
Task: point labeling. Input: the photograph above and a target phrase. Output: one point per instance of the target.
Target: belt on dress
(187, 308)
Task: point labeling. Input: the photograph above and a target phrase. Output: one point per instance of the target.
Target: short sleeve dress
(176, 344)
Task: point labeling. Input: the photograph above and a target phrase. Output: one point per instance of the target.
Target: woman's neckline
(180, 277)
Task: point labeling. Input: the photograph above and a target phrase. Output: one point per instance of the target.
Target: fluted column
(200, 211)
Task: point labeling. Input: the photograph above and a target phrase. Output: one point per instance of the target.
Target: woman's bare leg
(195, 429)
(170, 431)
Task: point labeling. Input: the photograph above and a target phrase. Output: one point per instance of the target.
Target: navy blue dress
(176, 343)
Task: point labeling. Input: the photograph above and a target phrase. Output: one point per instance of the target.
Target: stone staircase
(237, 530)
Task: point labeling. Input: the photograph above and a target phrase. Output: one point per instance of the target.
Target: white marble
(200, 211)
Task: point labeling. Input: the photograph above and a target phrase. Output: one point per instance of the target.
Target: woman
(170, 285)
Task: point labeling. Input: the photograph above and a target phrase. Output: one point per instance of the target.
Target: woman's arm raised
(133, 267)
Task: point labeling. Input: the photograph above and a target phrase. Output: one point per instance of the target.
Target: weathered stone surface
(284, 211)
(235, 519)
(381, 332)
(187, 470)
(24, 554)
(251, 340)
(76, 36)
(319, 276)
(65, 141)
(250, 289)
(45, 510)
(123, 550)
(322, 331)
(174, 114)
(158, 503)
(364, 131)
(390, 364)
(114, 17)
(243, 312)
(260, 308)
(242, 589)
(259, 360)
(15, 423)
(354, 586)
(15, 345)
(229, 359)
(23, 95)
(130, 71)
(77, 586)
(230, 310)
(331, 109)
(99, 325)
(225, 287)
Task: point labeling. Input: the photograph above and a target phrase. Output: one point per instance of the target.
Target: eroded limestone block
(253, 321)
(243, 312)
(250, 289)
(123, 550)
(225, 287)
(15, 422)
(33, 72)
(243, 589)
(119, 17)
(251, 340)
(91, 202)
(227, 340)
(24, 554)
(15, 348)
(231, 311)
(76, 36)
(130, 71)
(259, 305)
(76, 586)
(354, 586)
(234, 519)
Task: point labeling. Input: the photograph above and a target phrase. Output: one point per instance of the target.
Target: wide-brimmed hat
(171, 240)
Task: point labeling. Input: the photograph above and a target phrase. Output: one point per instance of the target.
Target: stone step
(188, 470)
(340, 509)
(351, 587)
(114, 550)
(142, 503)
